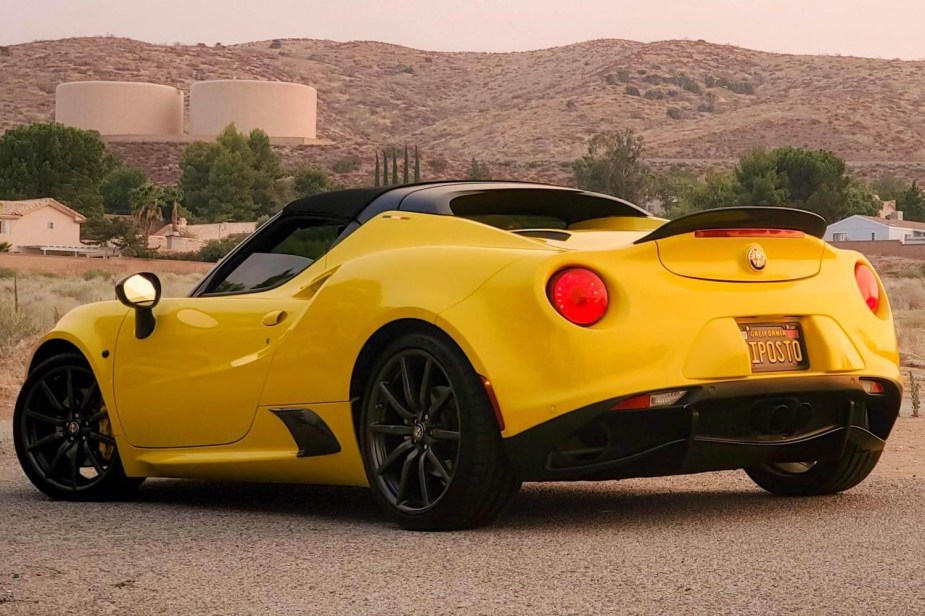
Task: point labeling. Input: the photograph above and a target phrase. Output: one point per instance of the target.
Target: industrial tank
(120, 107)
(281, 110)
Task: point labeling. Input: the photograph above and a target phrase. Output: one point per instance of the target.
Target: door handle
(274, 318)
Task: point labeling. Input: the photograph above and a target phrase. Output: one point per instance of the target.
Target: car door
(197, 379)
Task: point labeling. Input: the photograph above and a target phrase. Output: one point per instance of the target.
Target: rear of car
(732, 338)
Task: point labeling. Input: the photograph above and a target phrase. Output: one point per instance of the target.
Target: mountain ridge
(689, 100)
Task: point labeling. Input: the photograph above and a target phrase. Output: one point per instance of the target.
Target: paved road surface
(711, 543)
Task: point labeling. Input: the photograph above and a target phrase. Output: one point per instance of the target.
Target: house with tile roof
(859, 228)
(46, 225)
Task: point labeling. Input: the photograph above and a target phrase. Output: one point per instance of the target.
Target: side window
(276, 255)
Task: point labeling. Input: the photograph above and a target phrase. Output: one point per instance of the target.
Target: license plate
(776, 347)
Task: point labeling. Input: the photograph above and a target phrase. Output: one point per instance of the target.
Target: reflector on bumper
(648, 401)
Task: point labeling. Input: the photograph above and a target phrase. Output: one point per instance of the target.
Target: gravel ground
(707, 543)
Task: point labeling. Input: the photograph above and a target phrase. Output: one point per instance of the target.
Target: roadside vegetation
(30, 304)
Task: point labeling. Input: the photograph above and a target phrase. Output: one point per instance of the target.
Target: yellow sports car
(442, 343)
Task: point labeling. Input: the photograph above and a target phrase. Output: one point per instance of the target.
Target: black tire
(62, 436)
(450, 470)
(823, 477)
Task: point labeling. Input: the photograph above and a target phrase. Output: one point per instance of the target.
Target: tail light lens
(867, 284)
(579, 295)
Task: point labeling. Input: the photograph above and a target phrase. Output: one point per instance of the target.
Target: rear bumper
(719, 426)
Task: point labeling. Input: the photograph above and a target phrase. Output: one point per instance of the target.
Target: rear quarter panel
(397, 266)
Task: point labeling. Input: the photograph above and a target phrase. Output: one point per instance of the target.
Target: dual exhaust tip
(781, 417)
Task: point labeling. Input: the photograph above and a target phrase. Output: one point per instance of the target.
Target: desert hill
(534, 110)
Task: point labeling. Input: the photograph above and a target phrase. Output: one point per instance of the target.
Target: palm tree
(146, 202)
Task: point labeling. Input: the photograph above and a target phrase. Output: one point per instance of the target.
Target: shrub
(915, 392)
(276, 44)
(5, 246)
(739, 87)
(347, 164)
(654, 95)
(612, 79)
(685, 82)
(438, 164)
(15, 325)
(632, 90)
(710, 81)
(407, 69)
(675, 113)
(653, 79)
(96, 273)
(215, 250)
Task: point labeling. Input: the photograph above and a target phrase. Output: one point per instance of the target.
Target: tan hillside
(531, 110)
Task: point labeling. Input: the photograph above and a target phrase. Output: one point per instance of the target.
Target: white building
(40, 225)
(859, 228)
(189, 238)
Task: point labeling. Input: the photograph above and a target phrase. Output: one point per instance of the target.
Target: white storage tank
(281, 110)
(120, 107)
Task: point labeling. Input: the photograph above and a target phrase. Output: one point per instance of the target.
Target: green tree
(717, 189)
(308, 180)
(478, 171)
(813, 180)
(889, 187)
(417, 165)
(237, 177)
(758, 180)
(670, 187)
(377, 170)
(912, 203)
(119, 232)
(117, 186)
(268, 190)
(405, 170)
(614, 166)
(394, 168)
(385, 167)
(51, 160)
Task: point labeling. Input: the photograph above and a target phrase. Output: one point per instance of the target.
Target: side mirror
(142, 292)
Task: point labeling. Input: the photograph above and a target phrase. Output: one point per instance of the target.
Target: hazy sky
(879, 28)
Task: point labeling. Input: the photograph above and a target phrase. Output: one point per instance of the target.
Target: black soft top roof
(339, 203)
(466, 198)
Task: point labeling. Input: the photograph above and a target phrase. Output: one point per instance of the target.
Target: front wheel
(816, 478)
(430, 441)
(63, 436)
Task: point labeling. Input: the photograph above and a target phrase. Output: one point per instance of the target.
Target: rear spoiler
(741, 218)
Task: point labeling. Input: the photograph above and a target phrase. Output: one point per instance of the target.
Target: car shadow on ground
(536, 506)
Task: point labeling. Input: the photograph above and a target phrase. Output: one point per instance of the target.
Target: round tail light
(579, 295)
(867, 284)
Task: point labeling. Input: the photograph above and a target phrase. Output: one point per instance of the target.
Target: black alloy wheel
(429, 437)
(414, 435)
(63, 436)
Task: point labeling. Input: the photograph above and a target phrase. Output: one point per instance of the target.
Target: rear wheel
(818, 477)
(63, 436)
(430, 441)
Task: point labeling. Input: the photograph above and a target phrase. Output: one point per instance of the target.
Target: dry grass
(42, 300)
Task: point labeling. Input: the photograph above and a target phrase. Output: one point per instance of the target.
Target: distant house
(40, 225)
(189, 238)
(859, 228)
